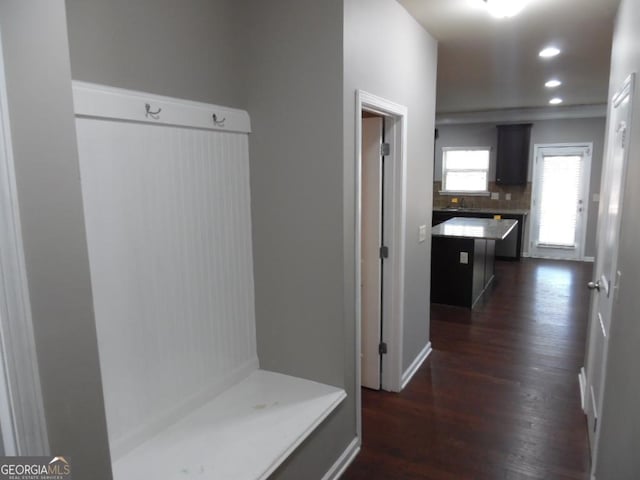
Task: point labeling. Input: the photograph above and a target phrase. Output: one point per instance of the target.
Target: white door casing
(396, 119)
(22, 420)
(371, 283)
(606, 273)
(537, 247)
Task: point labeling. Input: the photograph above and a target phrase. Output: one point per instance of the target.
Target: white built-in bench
(165, 186)
(244, 433)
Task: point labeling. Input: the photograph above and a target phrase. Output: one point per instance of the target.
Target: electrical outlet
(422, 233)
(464, 257)
(507, 196)
(495, 195)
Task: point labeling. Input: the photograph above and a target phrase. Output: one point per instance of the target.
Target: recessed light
(553, 83)
(555, 101)
(505, 8)
(549, 52)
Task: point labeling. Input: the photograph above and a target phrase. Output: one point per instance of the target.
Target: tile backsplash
(520, 197)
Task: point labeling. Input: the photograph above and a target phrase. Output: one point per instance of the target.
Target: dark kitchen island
(462, 258)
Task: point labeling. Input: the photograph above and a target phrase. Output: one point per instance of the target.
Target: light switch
(507, 196)
(495, 195)
(464, 257)
(422, 233)
(596, 197)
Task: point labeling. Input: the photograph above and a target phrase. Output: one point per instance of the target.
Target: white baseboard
(582, 378)
(415, 365)
(343, 461)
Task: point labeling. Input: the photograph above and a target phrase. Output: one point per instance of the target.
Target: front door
(606, 274)
(560, 188)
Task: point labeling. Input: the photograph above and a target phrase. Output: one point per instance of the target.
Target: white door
(561, 175)
(371, 241)
(606, 274)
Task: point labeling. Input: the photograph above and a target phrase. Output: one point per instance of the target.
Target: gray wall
(620, 436)
(35, 48)
(399, 65)
(543, 131)
(186, 49)
(294, 80)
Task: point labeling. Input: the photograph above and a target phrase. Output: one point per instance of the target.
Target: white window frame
(481, 193)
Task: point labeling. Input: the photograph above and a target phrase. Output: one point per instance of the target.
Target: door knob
(594, 285)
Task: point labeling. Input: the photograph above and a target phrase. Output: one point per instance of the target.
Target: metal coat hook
(218, 123)
(148, 113)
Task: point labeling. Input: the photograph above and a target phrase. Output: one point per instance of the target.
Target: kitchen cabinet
(512, 158)
(462, 262)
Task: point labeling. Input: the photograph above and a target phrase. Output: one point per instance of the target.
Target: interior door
(371, 240)
(560, 188)
(606, 274)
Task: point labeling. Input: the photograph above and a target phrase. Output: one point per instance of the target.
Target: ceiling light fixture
(549, 52)
(553, 83)
(505, 8)
(555, 101)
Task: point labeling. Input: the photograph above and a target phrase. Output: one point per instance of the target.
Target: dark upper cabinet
(512, 160)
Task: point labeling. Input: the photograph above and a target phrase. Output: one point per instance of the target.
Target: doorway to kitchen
(561, 174)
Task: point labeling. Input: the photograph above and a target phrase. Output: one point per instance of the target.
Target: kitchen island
(462, 258)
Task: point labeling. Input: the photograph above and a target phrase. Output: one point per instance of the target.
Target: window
(465, 169)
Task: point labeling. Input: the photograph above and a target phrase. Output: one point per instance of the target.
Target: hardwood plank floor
(498, 398)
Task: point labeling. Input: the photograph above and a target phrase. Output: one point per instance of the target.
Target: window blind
(559, 200)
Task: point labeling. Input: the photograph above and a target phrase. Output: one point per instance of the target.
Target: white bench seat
(244, 433)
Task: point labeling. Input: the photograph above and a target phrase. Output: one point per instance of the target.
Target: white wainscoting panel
(169, 233)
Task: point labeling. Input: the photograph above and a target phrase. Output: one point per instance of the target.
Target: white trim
(24, 410)
(344, 460)
(589, 259)
(393, 328)
(99, 101)
(416, 364)
(523, 114)
(582, 380)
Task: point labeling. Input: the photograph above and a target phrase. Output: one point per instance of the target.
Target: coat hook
(218, 123)
(148, 113)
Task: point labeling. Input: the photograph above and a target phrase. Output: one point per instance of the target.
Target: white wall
(186, 49)
(387, 53)
(543, 131)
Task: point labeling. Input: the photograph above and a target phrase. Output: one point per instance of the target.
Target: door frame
(22, 419)
(535, 189)
(586, 374)
(392, 328)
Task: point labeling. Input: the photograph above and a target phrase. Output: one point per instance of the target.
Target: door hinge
(384, 252)
(382, 348)
(385, 149)
(595, 424)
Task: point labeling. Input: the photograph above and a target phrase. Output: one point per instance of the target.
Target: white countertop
(469, 227)
(505, 211)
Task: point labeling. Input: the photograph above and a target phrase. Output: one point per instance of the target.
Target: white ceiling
(486, 63)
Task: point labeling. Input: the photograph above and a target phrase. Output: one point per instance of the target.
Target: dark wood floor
(498, 398)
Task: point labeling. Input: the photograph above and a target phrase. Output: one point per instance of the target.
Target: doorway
(380, 232)
(373, 248)
(561, 175)
(607, 276)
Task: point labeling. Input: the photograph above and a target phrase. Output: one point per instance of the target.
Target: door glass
(561, 178)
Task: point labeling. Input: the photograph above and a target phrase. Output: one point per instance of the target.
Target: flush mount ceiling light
(555, 101)
(549, 52)
(553, 83)
(505, 8)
